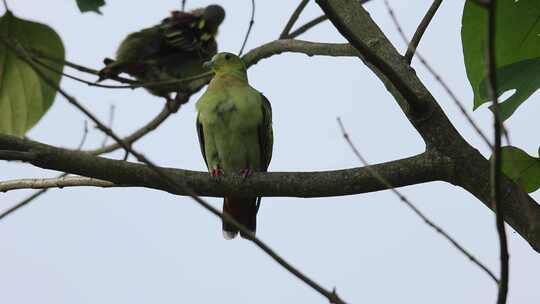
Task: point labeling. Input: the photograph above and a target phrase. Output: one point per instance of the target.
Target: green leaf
(517, 40)
(522, 168)
(90, 5)
(24, 97)
(524, 76)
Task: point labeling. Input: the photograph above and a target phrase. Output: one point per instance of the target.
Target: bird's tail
(244, 211)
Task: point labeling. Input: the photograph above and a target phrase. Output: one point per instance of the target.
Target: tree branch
(421, 30)
(298, 46)
(414, 170)
(312, 23)
(294, 17)
(472, 170)
(496, 171)
(417, 211)
(55, 182)
(354, 23)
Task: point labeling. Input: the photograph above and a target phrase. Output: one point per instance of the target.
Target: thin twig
(6, 5)
(312, 23)
(496, 160)
(251, 22)
(110, 124)
(304, 28)
(43, 55)
(23, 202)
(176, 185)
(440, 80)
(89, 83)
(36, 194)
(136, 135)
(409, 204)
(413, 45)
(294, 17)
(84, 136)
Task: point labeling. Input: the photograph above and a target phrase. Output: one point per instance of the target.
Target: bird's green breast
(230, 117)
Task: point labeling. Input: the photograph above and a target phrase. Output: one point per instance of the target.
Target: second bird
(234, 124)
(175, 48)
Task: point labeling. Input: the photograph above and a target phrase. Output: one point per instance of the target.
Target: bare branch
(418, 169)
(413, 45)
(298, 46)
(304, 28)
(55, 182)
(23, 203)
(312, 23)
(496, 161)
(84, 136)
(250, 27)
(110, 124)
(372, 51)
(138, 134)
(471, 170)
(440, 80)
(409, 204)
(294, 17)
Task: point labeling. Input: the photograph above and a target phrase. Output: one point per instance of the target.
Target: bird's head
(226, 63)
(214, 16)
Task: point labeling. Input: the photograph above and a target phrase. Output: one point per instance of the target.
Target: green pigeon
(175, 48)
(234, 125)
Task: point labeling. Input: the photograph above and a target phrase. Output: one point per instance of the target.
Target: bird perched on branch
(234, 125)
(173, 49)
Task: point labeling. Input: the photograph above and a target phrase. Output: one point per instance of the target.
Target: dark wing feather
(186, 32)
(266, 136)
(200, 134)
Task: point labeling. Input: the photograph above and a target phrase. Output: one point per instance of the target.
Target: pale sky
(90, 245)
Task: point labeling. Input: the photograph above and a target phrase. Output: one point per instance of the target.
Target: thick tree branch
(354, 23)
(472, 170)
(414, 170)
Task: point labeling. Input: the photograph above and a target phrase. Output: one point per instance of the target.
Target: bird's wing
(200, 134)
(185, 31)
(266, 136)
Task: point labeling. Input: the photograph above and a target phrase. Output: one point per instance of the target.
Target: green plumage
(234, 125)
(173, 49)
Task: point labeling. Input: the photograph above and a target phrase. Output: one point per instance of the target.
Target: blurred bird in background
(173, 49)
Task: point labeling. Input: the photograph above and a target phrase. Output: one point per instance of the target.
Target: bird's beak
(207, 64)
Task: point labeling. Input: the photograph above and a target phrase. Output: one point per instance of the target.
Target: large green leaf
(90, 5)
(24, 97)
(521, 168)
(517, 40)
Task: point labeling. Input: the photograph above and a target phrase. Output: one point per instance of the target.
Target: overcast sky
(92, 245)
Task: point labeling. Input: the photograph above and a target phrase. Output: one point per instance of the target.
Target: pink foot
(246, 172)
(216, 172)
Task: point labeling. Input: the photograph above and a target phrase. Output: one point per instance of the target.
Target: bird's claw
(246, 172)
(216, 172)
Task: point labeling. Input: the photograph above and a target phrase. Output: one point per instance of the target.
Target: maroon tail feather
(244, 211)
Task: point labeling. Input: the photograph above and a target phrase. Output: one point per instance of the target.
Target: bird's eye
(227, 57)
